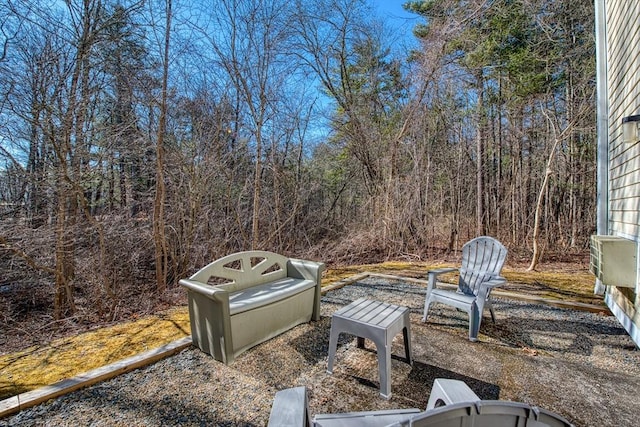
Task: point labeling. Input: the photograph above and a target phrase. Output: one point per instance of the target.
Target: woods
(139, 140)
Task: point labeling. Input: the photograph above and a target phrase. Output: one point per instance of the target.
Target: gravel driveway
(581, 365)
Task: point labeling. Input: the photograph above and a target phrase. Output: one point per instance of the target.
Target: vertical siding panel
(623, 85)
(623, 41)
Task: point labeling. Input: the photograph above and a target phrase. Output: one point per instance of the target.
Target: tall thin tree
(159, 233)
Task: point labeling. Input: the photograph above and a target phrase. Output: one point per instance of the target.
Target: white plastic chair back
(488, 413)
(482, 260)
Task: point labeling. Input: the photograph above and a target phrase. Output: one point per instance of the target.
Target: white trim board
(624, 320)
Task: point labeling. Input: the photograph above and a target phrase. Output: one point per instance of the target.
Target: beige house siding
(621, 36)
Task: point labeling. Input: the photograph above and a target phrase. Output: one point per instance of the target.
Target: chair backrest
(482, 260)
(488, 413)
(243, 270)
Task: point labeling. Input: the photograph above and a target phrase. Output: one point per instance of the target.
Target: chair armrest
(439, 271)
(302, 269)
(433, 274)
(447, 391)
(213, 292)
(290, 408)
(495, 282)
(308, 270)
(485, 287)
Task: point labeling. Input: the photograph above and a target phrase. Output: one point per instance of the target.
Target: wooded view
(141, 140)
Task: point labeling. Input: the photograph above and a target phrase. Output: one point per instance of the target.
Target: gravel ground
(581, 365)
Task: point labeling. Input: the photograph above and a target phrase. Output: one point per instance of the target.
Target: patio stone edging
(31, 398)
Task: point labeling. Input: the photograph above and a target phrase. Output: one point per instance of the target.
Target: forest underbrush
(27, 282)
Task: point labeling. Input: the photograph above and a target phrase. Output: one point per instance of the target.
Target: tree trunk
(159, 236)
(535, 258)
(257, 187)
(64, 303)
(480, 230)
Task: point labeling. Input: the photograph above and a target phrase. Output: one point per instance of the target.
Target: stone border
(31, 398)
(28, 399)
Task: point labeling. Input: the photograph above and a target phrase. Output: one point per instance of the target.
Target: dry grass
(38, 366)
(568, 282)
(64, 358)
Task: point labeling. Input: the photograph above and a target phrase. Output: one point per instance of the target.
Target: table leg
(406, 333)
(384, 368)
(333, 345)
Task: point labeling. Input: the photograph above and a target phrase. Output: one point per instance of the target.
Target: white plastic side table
(378, 321)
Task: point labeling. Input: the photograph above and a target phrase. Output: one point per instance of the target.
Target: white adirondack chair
(451, 404)
(482, 261)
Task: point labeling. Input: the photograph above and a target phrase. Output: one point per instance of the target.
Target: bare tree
(249, 44)
(159, 236)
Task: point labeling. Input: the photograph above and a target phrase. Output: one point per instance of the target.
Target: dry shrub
(363, 247)
(384, 242)
(113, 278)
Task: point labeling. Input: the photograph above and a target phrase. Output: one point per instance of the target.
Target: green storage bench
(246, 298)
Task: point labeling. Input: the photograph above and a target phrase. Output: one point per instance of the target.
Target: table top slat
(376, 316)
(356, 309)
(390, 316)
(370, 312)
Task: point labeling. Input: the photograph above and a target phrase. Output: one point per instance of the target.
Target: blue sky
(398, 18)
(393, 8)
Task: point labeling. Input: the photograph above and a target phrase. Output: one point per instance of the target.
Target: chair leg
(475, 318)
(427, 303)
(493, 314)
